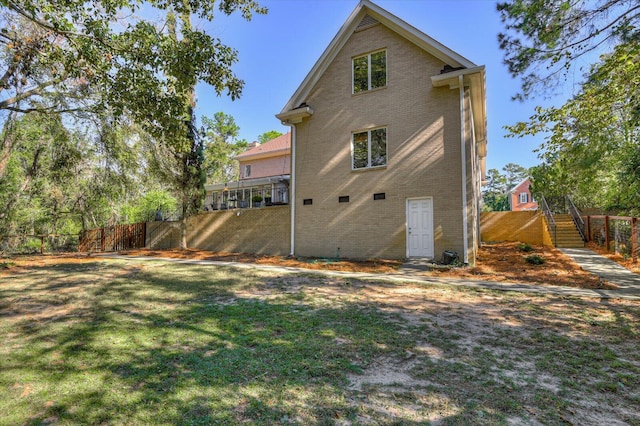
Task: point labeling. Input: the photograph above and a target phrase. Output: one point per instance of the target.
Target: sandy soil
(496, 262)
(390, 388)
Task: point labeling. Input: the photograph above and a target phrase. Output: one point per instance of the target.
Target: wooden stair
(567, 235)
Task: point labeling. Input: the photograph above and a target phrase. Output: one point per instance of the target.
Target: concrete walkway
(632, 293)
(606, 269)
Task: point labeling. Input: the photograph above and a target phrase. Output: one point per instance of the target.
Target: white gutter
(291, 118)
(293, 190)
(463, 154)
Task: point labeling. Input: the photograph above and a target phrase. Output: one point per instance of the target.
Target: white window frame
(386, 148)
(368, 56)
(523, 197)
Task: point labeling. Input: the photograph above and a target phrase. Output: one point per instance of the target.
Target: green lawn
(132, 342)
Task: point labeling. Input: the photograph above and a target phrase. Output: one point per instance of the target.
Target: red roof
(281, 143)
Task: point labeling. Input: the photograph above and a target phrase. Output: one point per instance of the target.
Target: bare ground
(504, 340)
(468, 344)
(503, 262)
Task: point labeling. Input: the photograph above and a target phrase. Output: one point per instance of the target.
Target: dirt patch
(495, 262)
(506, 262)
(503, 262)
(374, 265)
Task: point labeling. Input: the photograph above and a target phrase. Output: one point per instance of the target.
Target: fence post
(607, 238)
(41, 244)
(634, 239)
(588, 228)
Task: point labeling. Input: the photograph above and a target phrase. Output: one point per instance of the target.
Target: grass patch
(126, 342)
(7, 265)
(525, 247)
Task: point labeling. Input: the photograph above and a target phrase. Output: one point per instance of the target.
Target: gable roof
(278, 146)
(517, 187)
(367, 13)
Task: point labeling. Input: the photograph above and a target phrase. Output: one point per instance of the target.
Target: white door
(420, 227)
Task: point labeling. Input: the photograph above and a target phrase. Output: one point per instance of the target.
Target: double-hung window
(370, 71)
(524, 197)
(369, 149)
(247, 170)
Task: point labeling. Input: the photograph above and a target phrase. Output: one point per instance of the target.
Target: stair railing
(577, 217)
(551, 222)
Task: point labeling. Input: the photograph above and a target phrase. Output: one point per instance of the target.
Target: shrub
(525, 247)
(535, 259)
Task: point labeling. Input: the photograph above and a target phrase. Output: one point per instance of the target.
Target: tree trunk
(26, 184)
(8, 142)
(183, 226)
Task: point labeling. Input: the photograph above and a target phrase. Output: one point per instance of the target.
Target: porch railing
(577, 218)
(551, 222)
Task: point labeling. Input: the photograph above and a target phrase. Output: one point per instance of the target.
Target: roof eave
(295, 116)
(258, 155)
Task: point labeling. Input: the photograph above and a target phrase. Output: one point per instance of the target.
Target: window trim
(368, 56)
(247, 171)
(386, 148)
(524, 195)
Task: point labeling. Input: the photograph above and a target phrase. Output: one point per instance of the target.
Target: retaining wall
(263, 231)
(523, 226)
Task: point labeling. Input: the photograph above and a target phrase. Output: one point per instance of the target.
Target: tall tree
(494, 194)
(590, 151)
(267, 136)
(61, 180)
(591, 140)
(221, 144)
(514, 174)
(103, 55)
(543, 39)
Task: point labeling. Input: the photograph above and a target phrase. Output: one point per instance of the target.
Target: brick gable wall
(423, 137)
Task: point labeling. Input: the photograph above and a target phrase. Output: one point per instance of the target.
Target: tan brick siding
(423, 137)
(263, 231)
(522, 226)
(163, 235)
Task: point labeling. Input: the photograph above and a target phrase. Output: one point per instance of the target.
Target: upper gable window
(369, 149)
(370, 71)
(247, 170)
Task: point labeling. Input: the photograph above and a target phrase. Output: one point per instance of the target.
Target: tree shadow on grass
(179, 345)
(182, 348)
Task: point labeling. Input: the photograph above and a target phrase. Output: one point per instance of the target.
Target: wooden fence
(614, 233)
(113, 238)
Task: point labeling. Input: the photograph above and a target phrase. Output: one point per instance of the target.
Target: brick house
(520, 197)
(264, 175)
(388, 145)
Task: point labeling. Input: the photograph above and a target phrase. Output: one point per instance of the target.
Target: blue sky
(277, 50)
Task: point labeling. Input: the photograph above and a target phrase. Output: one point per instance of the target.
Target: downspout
(292, 201)
(463, 154)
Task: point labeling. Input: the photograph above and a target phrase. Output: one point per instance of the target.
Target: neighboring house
(389, 145)
(264, 175)
(520, 197)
